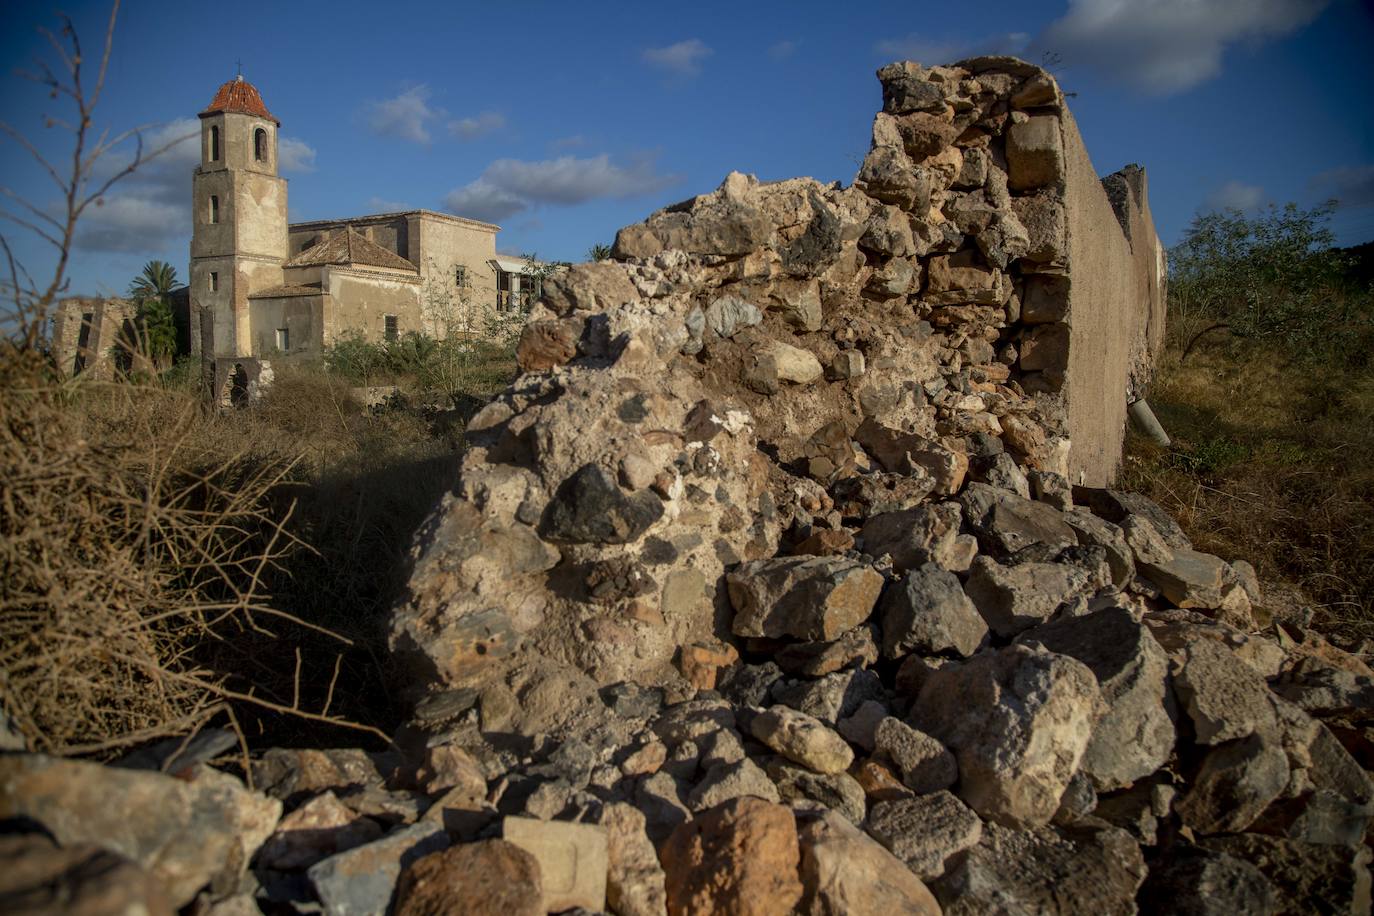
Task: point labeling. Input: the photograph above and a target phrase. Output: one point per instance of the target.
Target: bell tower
(238, 235)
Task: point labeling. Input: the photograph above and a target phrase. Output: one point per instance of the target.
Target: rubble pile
(766, 589)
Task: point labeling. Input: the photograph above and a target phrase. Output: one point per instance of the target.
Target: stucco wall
(360, 300)
(1115, 311)
(301, 316)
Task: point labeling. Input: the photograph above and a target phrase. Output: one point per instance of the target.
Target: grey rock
(925, 832)
(591, 508)
(725, 781)
(1136, 736)
(1116, 505)
(1193, 881)
(813, 598)
(1005, 522)
(361, 881)
(1035, 153)
(185, 832)
(728, 315)
(855, 649)
(927, 612)
(1188, 578)
(1324, 690)
(1224, 697)
(751, 685)
(1101, 533)
(1080, 870)
(1018, 721)
(832, 697)
(923, 763)
(839, 792)
(861, 726)
(1236, 782)
(1012, 599)
(928, 533)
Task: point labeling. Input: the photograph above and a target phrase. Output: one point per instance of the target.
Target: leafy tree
(1271, 276)
(598, 252)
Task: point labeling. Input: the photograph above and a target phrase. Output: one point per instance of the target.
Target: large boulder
(843, 871)
(740, 857)
(186, 832)
(1136, 736)
(815, 598)
(1018, 721)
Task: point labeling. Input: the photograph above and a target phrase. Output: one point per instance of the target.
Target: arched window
(214, 208)
(214, 144)
(260, 145)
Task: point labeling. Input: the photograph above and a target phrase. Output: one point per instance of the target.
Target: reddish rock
(545, 344)
(740, 857)
(490, 878)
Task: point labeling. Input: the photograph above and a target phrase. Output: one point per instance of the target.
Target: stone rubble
(766, 588)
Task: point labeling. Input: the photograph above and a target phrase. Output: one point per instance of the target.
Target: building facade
(261, 287)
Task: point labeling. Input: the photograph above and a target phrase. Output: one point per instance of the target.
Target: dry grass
(1271, 463)
(161, 564)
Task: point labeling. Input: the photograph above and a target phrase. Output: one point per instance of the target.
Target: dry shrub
(131, 558)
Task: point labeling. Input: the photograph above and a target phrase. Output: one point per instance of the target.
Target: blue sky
(563, 122)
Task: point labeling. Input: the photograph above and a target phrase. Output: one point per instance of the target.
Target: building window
(214, 282)
(214, 208)
(260, 145)
(393, 327)
(214, 144)
(283, 339)
(460, 276)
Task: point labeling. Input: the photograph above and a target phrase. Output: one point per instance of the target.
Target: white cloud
(681, 59)
(151, 207)
(936, 51)
(382, 205)
(1234, 195)
(483, 200)
(782, 50)
(510, 186)
(1166, 46)
(407, 115)
(480, 126)
(1351, 186)
(294, 155)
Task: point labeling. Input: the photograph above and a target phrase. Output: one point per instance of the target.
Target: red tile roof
(240, 96)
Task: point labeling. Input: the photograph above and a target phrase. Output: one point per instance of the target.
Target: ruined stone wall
(86, 333)
(762, 370)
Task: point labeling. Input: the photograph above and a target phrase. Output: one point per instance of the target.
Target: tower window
(283, 339)
(460, 276)
(214, 281)
(214, 144)
(214, 208)
(393, 329)
(260, 145)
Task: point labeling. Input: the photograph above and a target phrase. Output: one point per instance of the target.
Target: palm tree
(156, 282)
(153, 291)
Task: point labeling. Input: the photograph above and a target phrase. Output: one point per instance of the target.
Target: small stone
(925, 832)
(740, 857)
(924, 764)
(546, 344)
(878, 782)
(1188, 578)
(814, 598)
(855, 649)
(802, 739)
(728, 315)
(572, 860)
(725, 781)
(777, 362)
(1237, 781)
(1035, 153)
(832, 697)
(1224, 697)
(647, 758)
(843, 871)
(701, 663)
(634, 877)
(839, 792)
(363, 880)
(927, 613)
(1005, 523)
(591, 508)
(316, 830)
(861, 727)
(490, 878)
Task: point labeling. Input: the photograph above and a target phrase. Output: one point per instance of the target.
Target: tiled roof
(239, 95)
(346, 246)
(290, 289)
